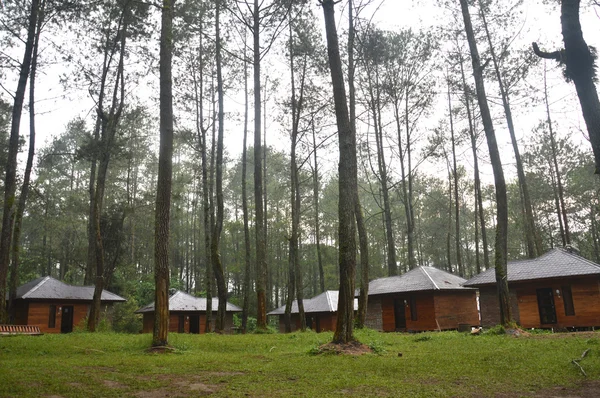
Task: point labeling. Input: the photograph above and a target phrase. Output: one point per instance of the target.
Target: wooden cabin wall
(21, 312)
(454, 308)
(426, 316)
(586, 302)
(374, 318)
(489, 306)
(39, 313)
(148, 323)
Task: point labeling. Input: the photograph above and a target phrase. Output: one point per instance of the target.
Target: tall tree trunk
(532, 239)
(163, 186)
(562, 210)
(317, 216)
(363, 239)
(347, 185)
(459, 263)
(247, 254)
(10, 182)
(259, 222)
(478, 195)
(16, 244)
(501, 198)
(109, 124)
(218, 226)
(375, 107)
(295, 199)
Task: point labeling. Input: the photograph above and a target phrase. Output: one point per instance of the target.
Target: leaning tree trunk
(534, 243)
(163, 186)
(16, 244)
(501, 198)
(347, 185)
(478, 197)
(10, 182)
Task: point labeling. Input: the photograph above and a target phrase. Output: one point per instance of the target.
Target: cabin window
(568, 301)
(52, 317)
(181, 325)
(413, 309)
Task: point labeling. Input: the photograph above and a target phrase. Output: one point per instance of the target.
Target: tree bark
(109, 124)
(459, 262)
(501, 198)
(218, 226)
(347, 185)
(560, 201)
(532, 239)
(479, 214)
(16, 244)
(363, 239)
(580, 68)
(247, 254)
(317, 216)
(163, 186)
(259, 222)
(10, 182)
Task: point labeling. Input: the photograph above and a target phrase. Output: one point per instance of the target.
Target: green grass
(431, 365)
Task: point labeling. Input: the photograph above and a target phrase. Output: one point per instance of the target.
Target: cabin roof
(418, 279)
(181, 301)
(48, 288)
(557, 263)
(324, 302)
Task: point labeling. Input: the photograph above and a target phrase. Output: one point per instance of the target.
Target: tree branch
(555, 55)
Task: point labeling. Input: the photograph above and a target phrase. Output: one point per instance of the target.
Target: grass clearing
(430, 365)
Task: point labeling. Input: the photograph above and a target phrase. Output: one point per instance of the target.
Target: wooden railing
(11, 330)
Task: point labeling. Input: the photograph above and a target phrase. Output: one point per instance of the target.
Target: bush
(124, 318)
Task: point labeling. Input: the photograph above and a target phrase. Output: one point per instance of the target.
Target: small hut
(187, 314)
(320, 312)
(55, 307)
(559, 289)
(424, 298)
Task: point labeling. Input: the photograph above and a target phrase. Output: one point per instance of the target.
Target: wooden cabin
(56, 307)
(559, 289)
(422, 299)
(320, 312)
(187, 314)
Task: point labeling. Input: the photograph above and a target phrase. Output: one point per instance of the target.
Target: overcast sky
(541, 23)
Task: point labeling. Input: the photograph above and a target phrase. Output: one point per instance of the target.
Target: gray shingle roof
(48, 288)
(418, 279)
(324, 302)
(557, 263)
(181, 301)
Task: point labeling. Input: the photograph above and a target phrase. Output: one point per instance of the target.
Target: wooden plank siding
(586, 303)
(38, 314)
(434, 310)
(455, 308)
(321, 321)
(174, 317)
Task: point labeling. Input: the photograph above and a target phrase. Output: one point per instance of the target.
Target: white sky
(55, 108)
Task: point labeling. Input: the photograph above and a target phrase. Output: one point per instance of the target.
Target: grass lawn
(430, 365)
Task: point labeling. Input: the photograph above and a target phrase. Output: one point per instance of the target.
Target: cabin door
(195, 324)
(399, 314)
(546, 306)
(66, 322)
